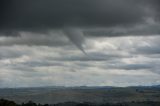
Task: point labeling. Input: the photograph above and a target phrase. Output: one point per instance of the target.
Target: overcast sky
(79, 43)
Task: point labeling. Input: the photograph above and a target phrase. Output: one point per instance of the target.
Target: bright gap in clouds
(117, 61)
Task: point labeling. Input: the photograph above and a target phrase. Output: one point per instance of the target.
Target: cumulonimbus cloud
(40, 14)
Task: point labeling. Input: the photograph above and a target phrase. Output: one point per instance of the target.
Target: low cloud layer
(119, 61)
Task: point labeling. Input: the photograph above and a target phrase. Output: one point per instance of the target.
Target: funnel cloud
(76, 37)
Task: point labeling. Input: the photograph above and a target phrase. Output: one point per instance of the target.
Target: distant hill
(52, 95)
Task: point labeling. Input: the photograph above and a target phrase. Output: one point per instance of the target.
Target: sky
(79, 43)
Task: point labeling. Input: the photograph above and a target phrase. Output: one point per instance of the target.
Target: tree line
(4, 102)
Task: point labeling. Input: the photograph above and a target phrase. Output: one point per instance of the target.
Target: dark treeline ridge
(4, 102)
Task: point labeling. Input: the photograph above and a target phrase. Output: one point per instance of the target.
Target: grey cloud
(39, 17)
(64, 67)
(120, 65)
(138, 30)
(13, 52)
(133, 66)
(91, 56)
(155, 6)
(40, 14)
(7, 53)
(152, 49)
(31, 38)
(49, 38)
(148, 50)
(41, 63)
(153, 66)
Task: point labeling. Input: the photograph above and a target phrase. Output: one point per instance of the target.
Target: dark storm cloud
(30, 38)
(155, 5)
(140, 30)
(38, 17)
(41, 14)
